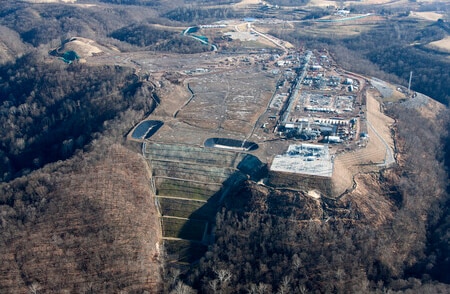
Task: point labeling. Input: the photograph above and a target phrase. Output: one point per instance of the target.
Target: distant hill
(80, 48)
(11, 45)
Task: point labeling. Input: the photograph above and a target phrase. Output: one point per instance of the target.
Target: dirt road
(377, 154)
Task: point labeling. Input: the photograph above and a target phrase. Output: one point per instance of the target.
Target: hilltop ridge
(224, 146)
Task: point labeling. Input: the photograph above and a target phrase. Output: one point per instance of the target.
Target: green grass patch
(179, 207)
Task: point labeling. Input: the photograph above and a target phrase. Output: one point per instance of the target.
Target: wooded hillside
(50, 109)
(86, 225)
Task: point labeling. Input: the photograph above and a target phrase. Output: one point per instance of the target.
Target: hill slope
(88, 224)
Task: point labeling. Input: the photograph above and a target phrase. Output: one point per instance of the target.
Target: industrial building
(308, 159)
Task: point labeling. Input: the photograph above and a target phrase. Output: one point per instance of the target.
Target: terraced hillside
(189, 183)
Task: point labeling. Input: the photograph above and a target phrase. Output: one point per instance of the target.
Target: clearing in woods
(427, 15)
(441, 45)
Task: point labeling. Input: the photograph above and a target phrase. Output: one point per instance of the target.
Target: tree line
(50, 111)
(157, 39)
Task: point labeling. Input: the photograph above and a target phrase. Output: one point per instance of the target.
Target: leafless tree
(181, 288)
(223, 275)
(285, 285)
(214, 285)
(34, 287)
(261, 288)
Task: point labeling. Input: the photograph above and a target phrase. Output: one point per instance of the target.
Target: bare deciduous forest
(76, 210)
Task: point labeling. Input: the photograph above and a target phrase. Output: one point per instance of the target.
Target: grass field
(178, 207)
(189, 171)
(441, 45)
(198, 155)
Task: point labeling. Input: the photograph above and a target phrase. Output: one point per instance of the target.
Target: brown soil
(370, 200)
(365, 159)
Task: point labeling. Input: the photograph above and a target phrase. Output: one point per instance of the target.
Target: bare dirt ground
(369, 158)
(86, 48)
(83, 46)
(245, 3)
(224, 104)
(379, 120)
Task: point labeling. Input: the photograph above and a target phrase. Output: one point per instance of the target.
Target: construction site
(286, 118)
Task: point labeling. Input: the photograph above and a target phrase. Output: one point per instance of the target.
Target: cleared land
(233, 101)
(441, 45)
(372, 156)
(432, 16)
(224, 104)
(85, 48)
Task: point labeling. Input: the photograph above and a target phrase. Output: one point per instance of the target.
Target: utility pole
(409, 84)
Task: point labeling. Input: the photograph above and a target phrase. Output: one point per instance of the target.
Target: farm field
(441, 45)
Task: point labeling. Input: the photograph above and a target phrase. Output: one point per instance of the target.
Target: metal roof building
(308, 159)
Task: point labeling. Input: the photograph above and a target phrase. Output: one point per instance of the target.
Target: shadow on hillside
(197, 231)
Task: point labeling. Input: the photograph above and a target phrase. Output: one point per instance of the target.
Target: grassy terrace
(187, 208)
(185, 229)
(187, 181)
(189, 171)
(185, 189)
(192, 154)
(184, 251)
